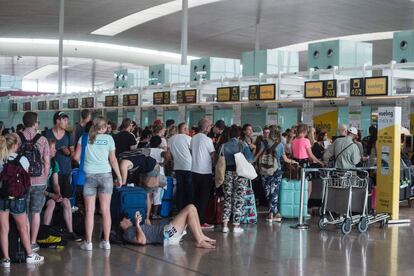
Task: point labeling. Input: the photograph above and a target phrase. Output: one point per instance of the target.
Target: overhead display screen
(27, 106)
(111, 101)
(357, 87)
(187, 96)
(73, 103)
(321, 89)
(263, 92)
(376, 86)
(13, 107)
(130, 100)
(54, 104)
(41, 105)
(228, 94)
(161, 98)
(88, 102)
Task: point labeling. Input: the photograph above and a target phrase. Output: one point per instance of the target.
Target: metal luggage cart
(347, 182)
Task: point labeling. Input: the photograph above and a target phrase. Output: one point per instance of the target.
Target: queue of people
(104, 154)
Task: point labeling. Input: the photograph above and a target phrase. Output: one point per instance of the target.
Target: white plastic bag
(243, 167)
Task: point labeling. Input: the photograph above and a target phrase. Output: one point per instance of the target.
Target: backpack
(15, 180)
(30, 150)
(50, 237)
(268, 164)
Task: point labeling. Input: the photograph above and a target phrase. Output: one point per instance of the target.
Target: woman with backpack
(12, 203)
(269, 159)
(234, 186)
(100, 160)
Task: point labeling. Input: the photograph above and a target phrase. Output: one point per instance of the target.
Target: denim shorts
(14, 206)
(36, 198)
(102, 183)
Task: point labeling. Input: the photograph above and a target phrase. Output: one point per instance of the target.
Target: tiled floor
(262, 249)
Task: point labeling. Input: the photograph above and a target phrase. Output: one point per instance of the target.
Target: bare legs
(22, 227)
(188, 216)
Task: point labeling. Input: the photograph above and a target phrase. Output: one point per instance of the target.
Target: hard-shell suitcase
(289, 198)
(249, 209)
(127, 201)
(167, 199)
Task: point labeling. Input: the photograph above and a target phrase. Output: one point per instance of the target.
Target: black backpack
(30, 150)
(15, 180)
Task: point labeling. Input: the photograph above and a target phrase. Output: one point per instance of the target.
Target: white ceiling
(224, 28)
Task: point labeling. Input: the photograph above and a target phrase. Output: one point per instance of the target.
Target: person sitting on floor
(54, 196)
(154, 234)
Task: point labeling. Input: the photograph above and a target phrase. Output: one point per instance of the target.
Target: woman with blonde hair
(14, 206)
(99, 161)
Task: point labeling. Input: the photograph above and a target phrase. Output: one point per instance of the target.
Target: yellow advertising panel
(376, 86)
(223, 94)
(327, 121)
(267, 92)
(388, 161)
(314, 89)
(411, 123)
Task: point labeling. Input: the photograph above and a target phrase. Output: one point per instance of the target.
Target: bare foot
(205, 245)
(207, 239)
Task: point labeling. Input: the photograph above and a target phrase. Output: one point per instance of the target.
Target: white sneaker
(34, 259)
(5, 263)
(238, 230)
(105, 245)
(225, 230)
(87, 246)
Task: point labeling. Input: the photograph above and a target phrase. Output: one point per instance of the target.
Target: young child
(14, 206)
(53, 196)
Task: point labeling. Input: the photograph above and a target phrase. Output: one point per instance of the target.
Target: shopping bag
(243, 167)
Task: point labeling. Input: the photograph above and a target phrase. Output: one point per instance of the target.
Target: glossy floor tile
(263, 249)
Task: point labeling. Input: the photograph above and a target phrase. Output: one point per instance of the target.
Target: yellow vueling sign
(327, 121)
(376, 86)
(388, 161)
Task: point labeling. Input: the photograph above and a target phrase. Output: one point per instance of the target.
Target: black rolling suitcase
(16, 249)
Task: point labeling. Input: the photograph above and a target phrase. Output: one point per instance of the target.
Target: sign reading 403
(321, 89)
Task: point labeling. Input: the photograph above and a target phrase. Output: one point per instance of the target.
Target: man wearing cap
(64, 151)
(346, 152)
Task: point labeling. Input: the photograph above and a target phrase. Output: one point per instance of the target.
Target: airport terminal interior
(206, 137)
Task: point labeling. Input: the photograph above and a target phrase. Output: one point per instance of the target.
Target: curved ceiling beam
(138, 18)
(87, 49)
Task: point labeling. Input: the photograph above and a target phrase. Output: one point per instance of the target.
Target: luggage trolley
(347, 184)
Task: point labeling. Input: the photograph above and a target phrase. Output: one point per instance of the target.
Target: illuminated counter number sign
(357, 87)
(41, 105)
(13, 107)
(111, 101)
(73, 103)
(27, 106)
(88, 102)
(320, 89)
(264, 92)
(187, 96)
(376, 86)
(161, 98)
(54, 104)
(330, 89)
(228, 94)
(130, 100)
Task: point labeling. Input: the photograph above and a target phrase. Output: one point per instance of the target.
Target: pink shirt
(43, 145)
(299, 146)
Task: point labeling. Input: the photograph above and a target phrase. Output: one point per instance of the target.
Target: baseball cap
(353, 130)
(59, 115)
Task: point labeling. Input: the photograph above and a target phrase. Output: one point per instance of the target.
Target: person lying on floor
(154, 234)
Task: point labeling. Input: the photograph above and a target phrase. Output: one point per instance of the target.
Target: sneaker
(277, 218)
(74, 237)
(206, 226)
(35, 247)
(238, 230)
(86, 246)
(34, 259)
(269, 218)
(225, 230)
(5, 263)
(105, 245)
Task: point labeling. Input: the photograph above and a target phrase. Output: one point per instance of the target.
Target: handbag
(214, 214)
(78, 175)
(220, 169)
(243, 167)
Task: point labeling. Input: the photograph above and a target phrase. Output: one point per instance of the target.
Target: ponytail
(4, 152)
(98, 124)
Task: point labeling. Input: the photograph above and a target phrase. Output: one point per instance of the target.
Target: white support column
(181, 114)
(209, 109)
(184, 33)
(307, 112)
(355, 113)
(272, 114)
(237, 114)
(61, 31)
